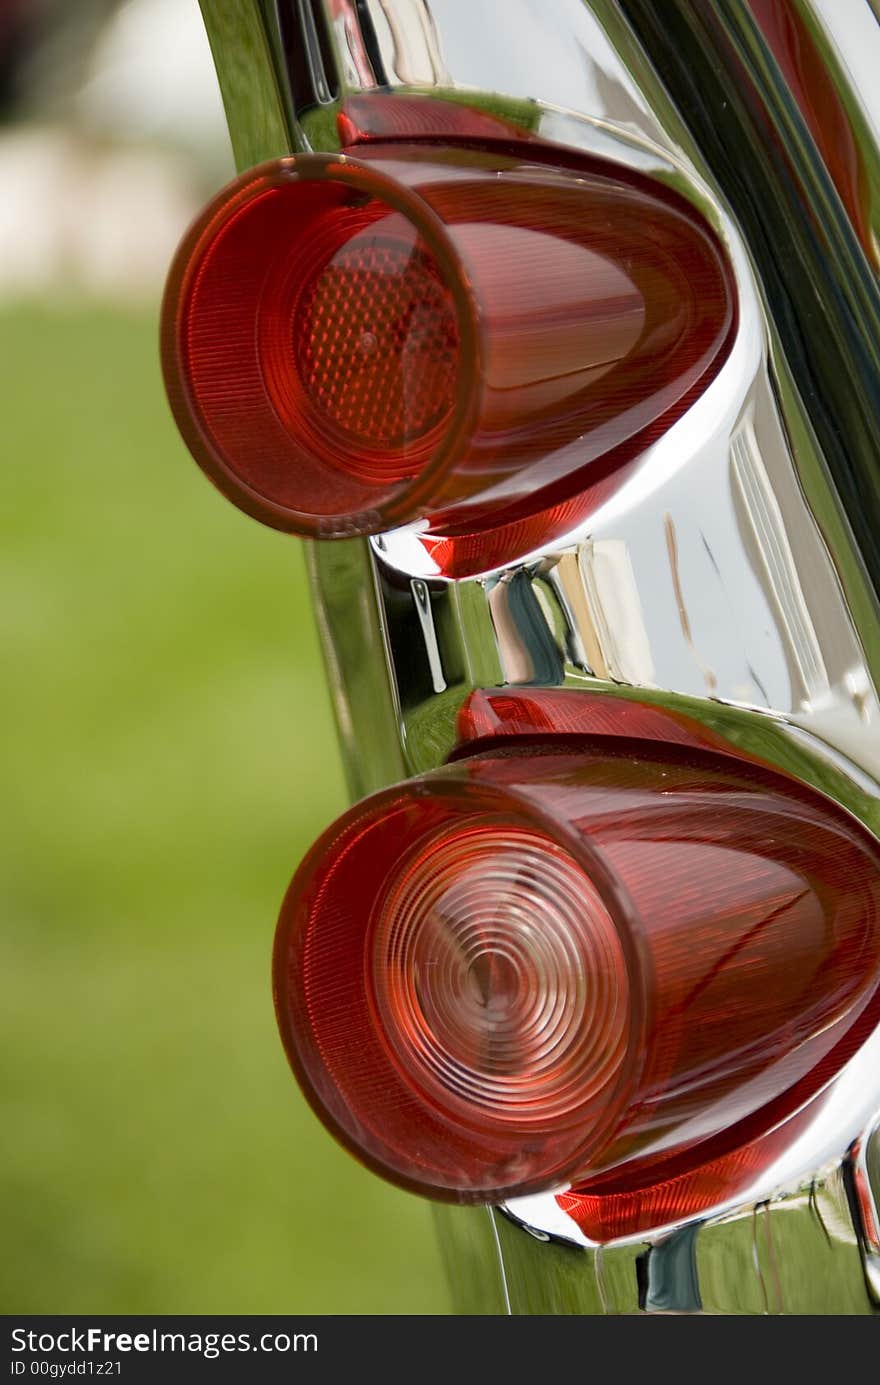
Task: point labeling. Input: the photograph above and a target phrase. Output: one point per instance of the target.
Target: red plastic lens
(663, 1195)
(376, 345)
(462, 336)
(453, 992)
(474, 950)
(313, 340)
(375, 117)
(541, 712)
(531, 969)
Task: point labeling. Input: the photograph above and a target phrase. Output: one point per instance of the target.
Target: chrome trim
(794, 1253)
(851, 33)
(864, 1187)
(764, 626)
(471, 1250)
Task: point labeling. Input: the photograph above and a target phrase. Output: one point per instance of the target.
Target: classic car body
(732, 579)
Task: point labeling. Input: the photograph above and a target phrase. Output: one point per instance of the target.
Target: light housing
(478, 338)
(539, 967)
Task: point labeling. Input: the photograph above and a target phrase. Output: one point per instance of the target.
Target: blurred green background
(170, 755)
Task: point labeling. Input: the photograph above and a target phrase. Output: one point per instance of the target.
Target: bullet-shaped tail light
(530, 969)
(461, 336)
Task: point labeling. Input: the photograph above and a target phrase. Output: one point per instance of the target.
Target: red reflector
(314, 334)
(530, 969)
(454, 335)
(374, 116)
(376, 348)
(543, 712)
(659, 1197)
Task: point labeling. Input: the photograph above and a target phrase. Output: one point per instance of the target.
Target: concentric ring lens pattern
(499, 977)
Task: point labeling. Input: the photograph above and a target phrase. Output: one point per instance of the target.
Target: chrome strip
(502, 1269)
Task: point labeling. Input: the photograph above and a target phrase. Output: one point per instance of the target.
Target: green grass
(169, 758)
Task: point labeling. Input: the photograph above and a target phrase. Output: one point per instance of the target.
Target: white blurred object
(98, 208)
(139, 204)
(152, 77)
(34, 174)
(75, 221)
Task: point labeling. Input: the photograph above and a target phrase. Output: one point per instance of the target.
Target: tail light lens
(662, 1194)
(316, 342)
(526, 970)
(524, 712)
(457, 335)
(376, 117)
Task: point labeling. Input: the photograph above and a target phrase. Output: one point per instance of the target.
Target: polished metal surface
(797, 1253)
(847, 35)
(723, 579)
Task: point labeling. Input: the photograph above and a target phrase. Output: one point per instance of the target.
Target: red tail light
(662, 1194)
(530, 969)
(464, 336)
(521, 712)
(374, 117)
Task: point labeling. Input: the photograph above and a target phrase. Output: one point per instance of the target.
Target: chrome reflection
(605, 633)
(553, 53)
(864, 1189)
(848, 38)
(799, 1252)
